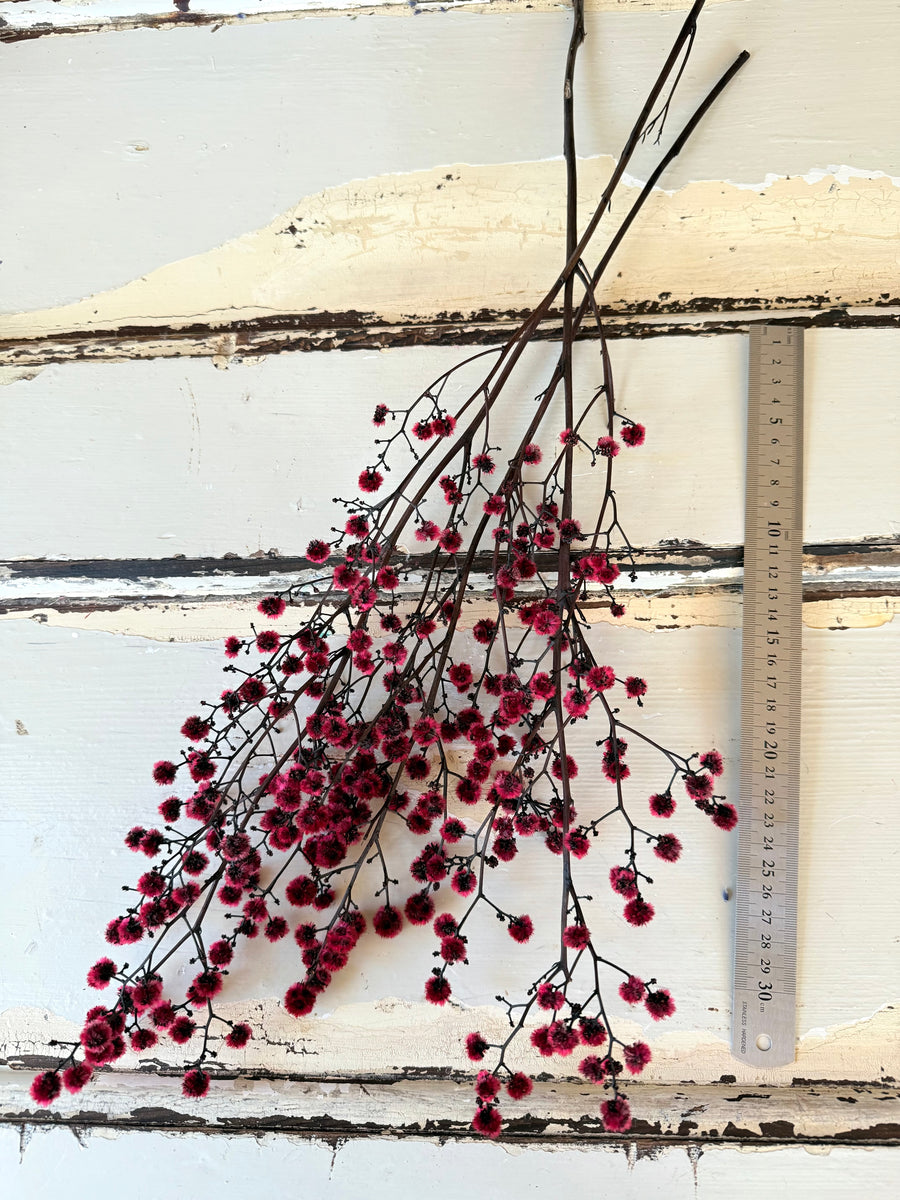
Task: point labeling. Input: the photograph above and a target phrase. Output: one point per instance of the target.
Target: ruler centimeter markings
(765, 960)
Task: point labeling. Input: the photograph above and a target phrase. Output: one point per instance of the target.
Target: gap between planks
(259, 337)
(867, 568)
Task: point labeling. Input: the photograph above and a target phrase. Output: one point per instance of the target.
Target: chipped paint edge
(856, 1113)
(253, 278)
(50, 18)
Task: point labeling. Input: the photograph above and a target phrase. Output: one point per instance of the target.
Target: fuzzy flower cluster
(396, 713)
(470, 708)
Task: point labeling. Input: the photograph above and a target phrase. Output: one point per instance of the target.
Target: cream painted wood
(156, 458)
(86, 713)
(411, 249)
(186, 139)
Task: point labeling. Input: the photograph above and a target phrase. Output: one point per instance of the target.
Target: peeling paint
(386, 241)
(40, 18)
(206, 620)
(247, 343)
(204, 600)
(392, 1038)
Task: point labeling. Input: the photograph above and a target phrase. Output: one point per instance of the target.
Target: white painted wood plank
(155, 458)
(702, 1114)
(95, 710)
(156, 1164)
(185, 139)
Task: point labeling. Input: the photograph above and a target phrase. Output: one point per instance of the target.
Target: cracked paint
(386, 242)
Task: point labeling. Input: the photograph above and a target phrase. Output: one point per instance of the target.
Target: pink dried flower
(616, 1114)
(662, 805)
(299, 999)
(576, 937)
(600, 679)
(659, 1004)
(638, 912)
(520, 928)
(181, 1030)
(195, 1084)
(622, 880)
(550, 997)
(272, 606)
(636, 1056)
(487, 1121)
(164, 772)
(195, 728)
(668, 848)
(632, 990)
(712, 762)
(101, 973)
(698, 787)
(370, 480)
(387, 921)
(476, 1047)
(592, 1031)
(238, 1036)
(519, 1086)
(437, 989)
(563, 1039)
(45, 1088)
(77, 1076)
(487, 1085)
(725, 816)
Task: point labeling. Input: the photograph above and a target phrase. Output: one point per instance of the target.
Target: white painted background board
(100, 708)
(237, 1167)
(163, 457)
(187, 137)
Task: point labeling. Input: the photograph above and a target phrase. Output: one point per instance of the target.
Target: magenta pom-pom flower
(616, 1114)
(46, 1087)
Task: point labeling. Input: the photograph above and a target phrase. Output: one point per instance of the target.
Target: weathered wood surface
(855, 1114)
(38, 18)
(211, 138)
(845, 585)
(377, 249)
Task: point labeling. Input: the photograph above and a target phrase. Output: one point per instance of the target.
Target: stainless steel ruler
(765, 962)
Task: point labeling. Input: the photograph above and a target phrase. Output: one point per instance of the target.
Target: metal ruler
(765, 961)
